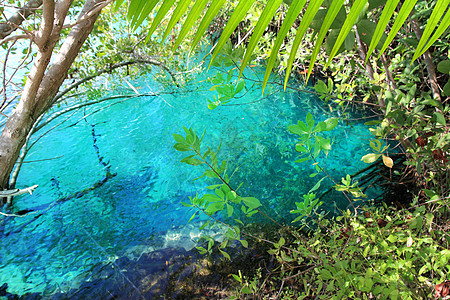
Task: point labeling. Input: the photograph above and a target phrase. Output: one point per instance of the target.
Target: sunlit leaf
(212, 11)
(291, 15)
(352, 16)
(403, 14)
(143, 14)
(370, 158)
(162, 13)
(265, 18)
(384, 19)
(179, 11)
(425, 41)
(238, 14)
(191, 19)
(329, 18)
(388, 162)
(311, 11)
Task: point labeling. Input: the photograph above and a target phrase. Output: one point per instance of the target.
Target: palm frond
(437, 24)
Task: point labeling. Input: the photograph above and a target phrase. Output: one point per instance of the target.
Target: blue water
(59, 247)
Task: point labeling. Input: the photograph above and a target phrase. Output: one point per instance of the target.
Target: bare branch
(5, 83)
(109, 69)
(14, 38)
(17, 19)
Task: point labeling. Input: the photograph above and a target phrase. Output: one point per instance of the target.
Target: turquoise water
(79, 229)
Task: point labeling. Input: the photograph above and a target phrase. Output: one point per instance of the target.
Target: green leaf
(309, 121)
(291, 16)
(425, 41)
(299, 129)
(251, 202)
(311, 11)
(214, 207)
(321, 87)
(444, 66)
(238, 14)
(331, 123)
(384, 19)
(375, 3)
(370, 158)
(353, 15)
(182, 147)
(162, 12)
(193, 216)
(260, 27)
(229, 210)
(398, 23)
(366, 31)
(237, 278)
(446, 89)
(201, 250)
(226, 255)
(439, 118)
(316, 186)
(192, 161)
(371, 123)
(329, 18)
(204, 225)
(323, 143)
(210, 14)
(244, 243)
(191, 19)
(144, 12)
(180, 10)
(331, 41)
(239, 86)
(179, 138)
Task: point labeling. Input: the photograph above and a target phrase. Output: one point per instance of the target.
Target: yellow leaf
(388, 162)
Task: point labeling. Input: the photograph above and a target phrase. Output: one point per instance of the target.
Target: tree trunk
(44, 82)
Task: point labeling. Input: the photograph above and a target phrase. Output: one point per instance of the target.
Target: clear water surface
(139, 208)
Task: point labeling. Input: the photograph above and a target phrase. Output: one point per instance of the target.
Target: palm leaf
(267, 15)
(176, 16)
(190, 20)
(311, 11)
(404, 12)
(237, 16)
(445, 24)
(146, 10)
(212, 11)
(294, 10)
(386, 15)
(134, 9)
(165, 6)
(352, 16)
(439, 9)
(333, 10)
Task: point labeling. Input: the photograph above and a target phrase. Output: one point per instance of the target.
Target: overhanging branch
(109, 69)
(17, 19)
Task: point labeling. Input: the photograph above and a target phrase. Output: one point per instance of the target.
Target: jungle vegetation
(390, 56)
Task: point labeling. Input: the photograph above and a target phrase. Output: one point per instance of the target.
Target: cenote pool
(77, 229)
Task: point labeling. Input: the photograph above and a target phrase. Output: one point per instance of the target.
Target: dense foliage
(400, 251)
